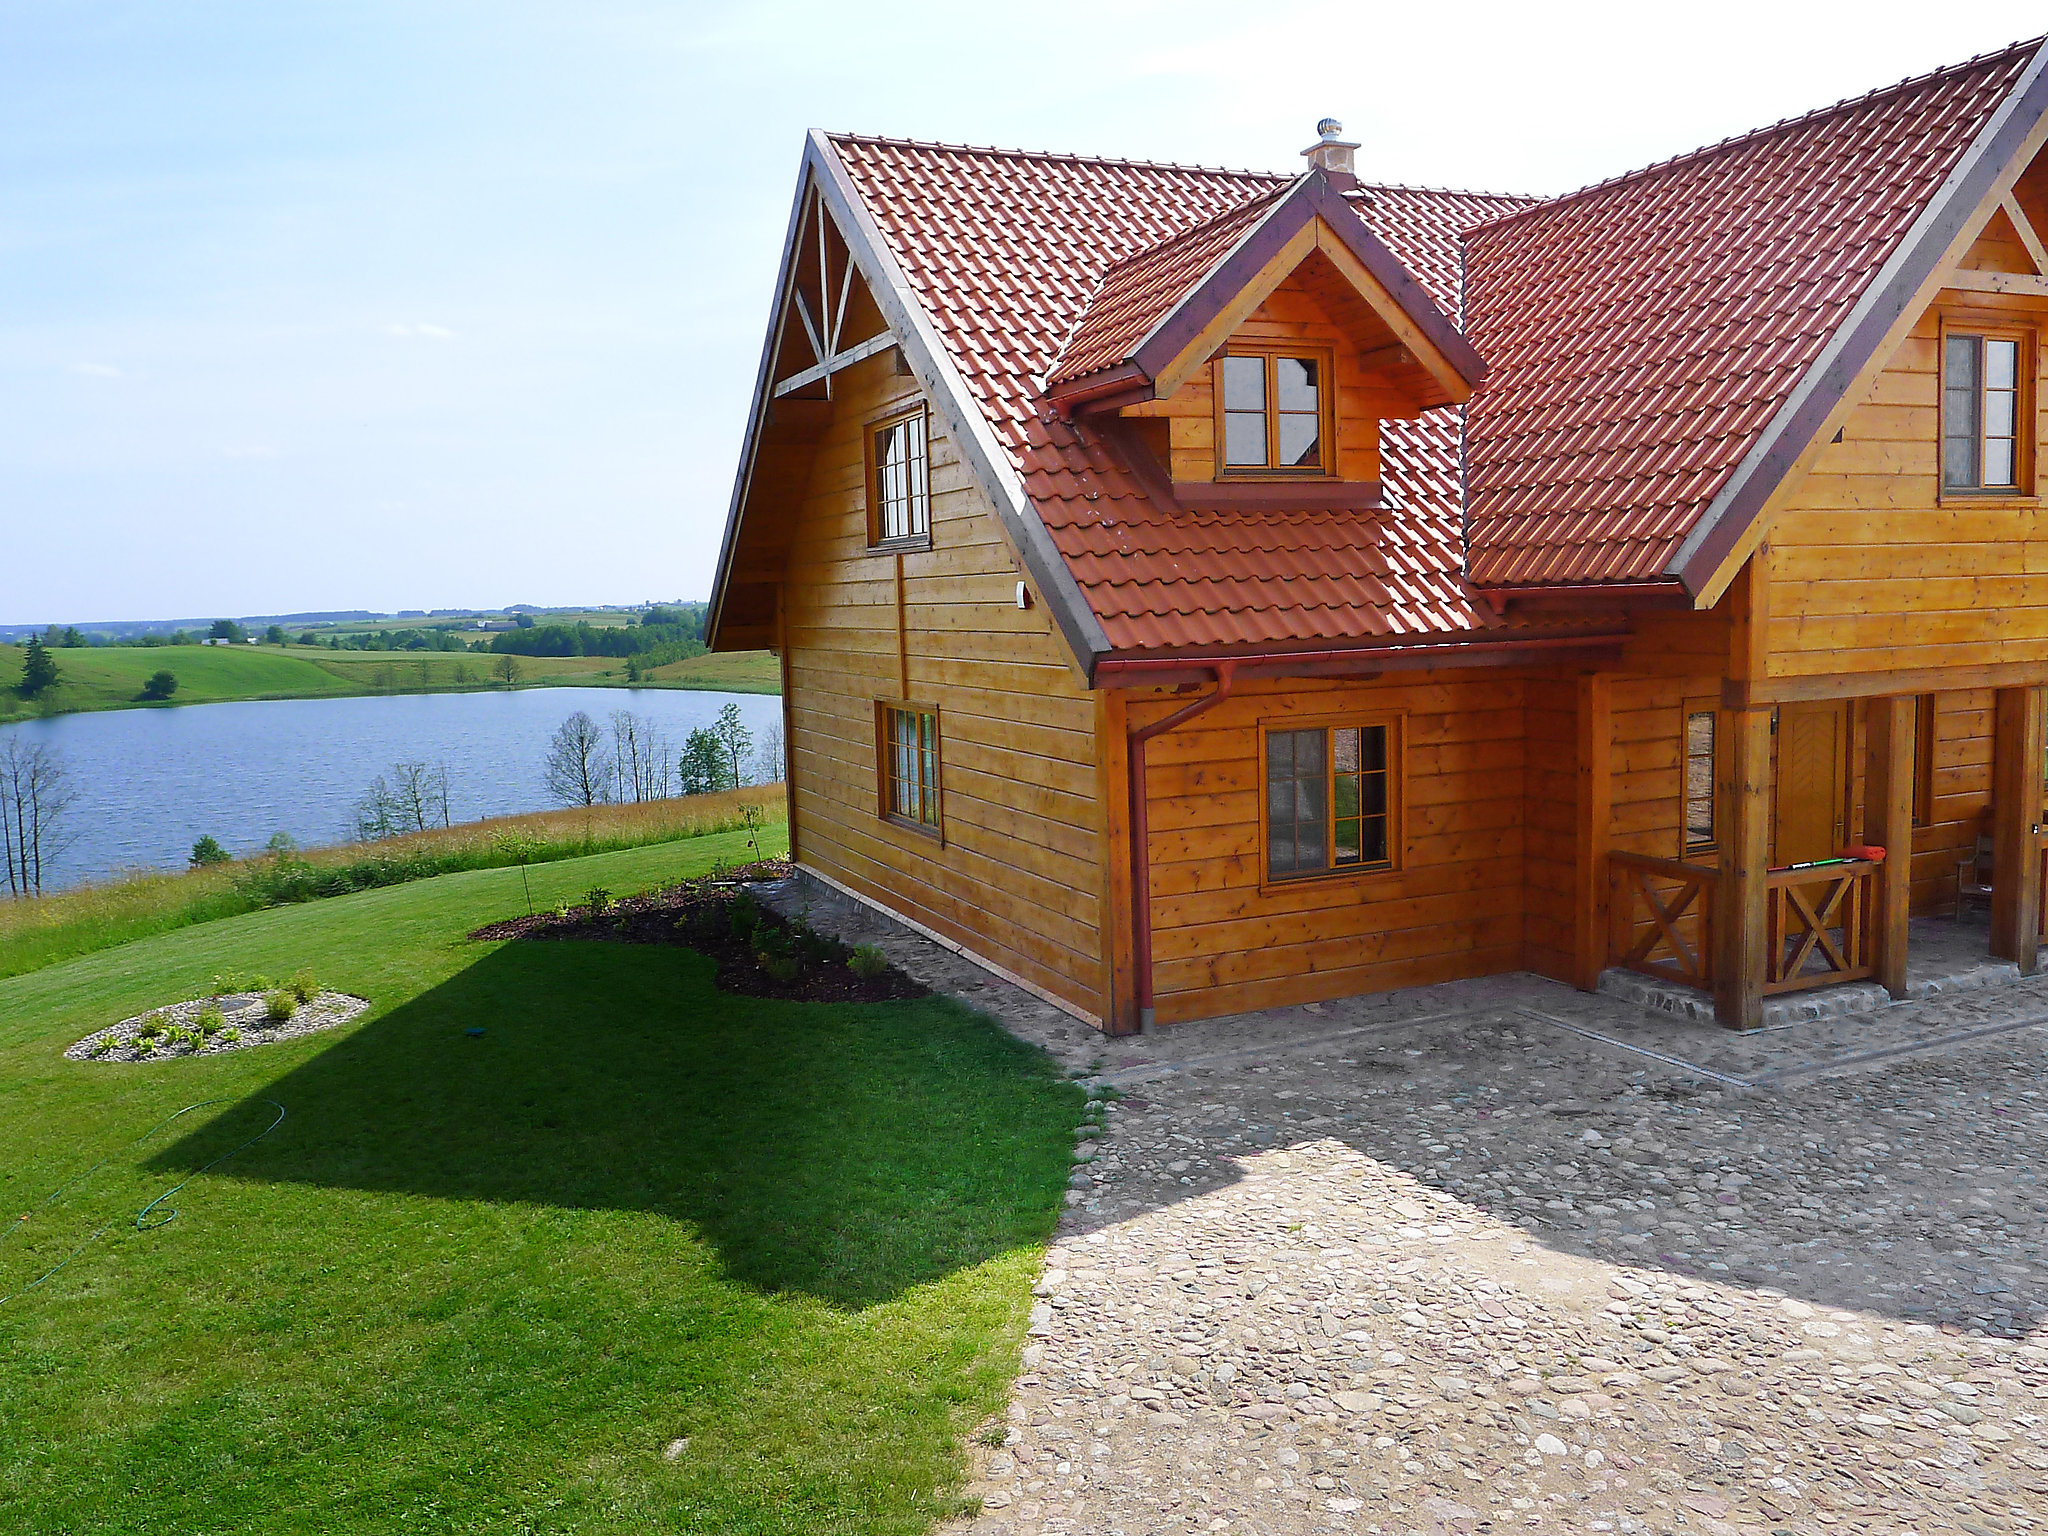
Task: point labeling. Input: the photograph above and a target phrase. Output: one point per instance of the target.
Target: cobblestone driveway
(1452, 1267)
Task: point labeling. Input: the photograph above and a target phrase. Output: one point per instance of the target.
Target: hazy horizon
(393, 306)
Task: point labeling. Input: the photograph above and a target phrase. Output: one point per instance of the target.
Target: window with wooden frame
(1332, 799)
(1987, 411)
(1273, 412)
(1925, 728)
(907, 746)
(1696, 759)
(899, 479)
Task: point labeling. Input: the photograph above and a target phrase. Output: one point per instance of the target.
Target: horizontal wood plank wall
(1289, 313)
(1962, 797)
(1648, 774)
(1018, 878)
(1871, 572)
(1222, 943)
(1550, 806)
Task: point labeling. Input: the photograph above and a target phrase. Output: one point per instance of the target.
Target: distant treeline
(664, 634)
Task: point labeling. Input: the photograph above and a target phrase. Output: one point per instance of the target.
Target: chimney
(1331, 154)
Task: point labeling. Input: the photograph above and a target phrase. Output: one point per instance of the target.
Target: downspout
(1141, 863)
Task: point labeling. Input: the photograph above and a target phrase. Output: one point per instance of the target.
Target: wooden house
(1200, 591)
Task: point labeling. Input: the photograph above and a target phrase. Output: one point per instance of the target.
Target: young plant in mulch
(759, 952)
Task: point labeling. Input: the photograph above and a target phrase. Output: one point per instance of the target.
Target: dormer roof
(1145, 326)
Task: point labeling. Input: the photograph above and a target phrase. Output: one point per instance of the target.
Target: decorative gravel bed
(244, 1021)
(760, 953)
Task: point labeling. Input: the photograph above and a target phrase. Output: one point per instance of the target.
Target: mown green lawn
(111, 676)
(478, 1283)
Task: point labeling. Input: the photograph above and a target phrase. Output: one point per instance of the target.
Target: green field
(111, 677)
(479, 1282)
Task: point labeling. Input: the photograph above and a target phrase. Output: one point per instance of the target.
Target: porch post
(1594, 813)
(1743, 767)
(1888, 824)
(2015, 810)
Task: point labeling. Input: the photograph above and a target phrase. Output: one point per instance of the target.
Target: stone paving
(1498, 1255)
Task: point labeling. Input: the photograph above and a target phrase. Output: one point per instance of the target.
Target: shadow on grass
(846, 1152)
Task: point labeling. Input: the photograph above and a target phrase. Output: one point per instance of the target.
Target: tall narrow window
(1272, 412)
(910, 766)
(1330, 796)
(1983, 406)
(1925, 733)
(899, 480)
(1700, 832)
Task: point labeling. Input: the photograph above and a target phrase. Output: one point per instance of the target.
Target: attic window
(1272, 413)
(899, 480)
(1983, 405)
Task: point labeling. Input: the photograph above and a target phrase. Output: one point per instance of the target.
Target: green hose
(141, 1222)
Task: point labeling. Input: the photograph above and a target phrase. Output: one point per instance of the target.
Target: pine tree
(38, 670)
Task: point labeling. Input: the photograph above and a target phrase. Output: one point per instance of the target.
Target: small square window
(1330, 797)
(1272, 410)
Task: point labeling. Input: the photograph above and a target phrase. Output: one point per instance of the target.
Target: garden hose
(141, 1222)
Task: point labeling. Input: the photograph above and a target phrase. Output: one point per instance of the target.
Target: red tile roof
(1639, 335)
(1642, 333)
(1007, 249)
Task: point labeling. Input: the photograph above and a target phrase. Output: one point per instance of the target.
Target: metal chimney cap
(1329, 130)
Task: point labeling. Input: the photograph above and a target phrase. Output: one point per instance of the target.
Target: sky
(405, 305)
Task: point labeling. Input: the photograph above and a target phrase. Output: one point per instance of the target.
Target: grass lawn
(111, 677)
(478, 1283)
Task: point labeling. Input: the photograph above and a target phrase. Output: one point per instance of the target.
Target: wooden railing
(1817, 925)
(1662, 918)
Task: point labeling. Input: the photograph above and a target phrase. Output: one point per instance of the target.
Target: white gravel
(244, 1014)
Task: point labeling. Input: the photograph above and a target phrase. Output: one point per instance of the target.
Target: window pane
(1244, 438)
(2001, 364)
(1295, 808)
(1372, 847)
(1344, 795)
(2000, 408)
(1959, 461)
(1962, 364)
(1699, 778)
(1373, 748)
(1298, 378)
(1344, 748)
(1346, 844)
(1998, 462)
(1244, 384)
(1373, 794)
(1299, 445)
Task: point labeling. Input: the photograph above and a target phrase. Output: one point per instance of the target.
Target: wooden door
(1809, 817)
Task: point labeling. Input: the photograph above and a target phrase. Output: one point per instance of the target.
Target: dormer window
(1273, 411)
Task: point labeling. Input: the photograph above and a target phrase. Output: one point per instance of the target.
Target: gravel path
(1433, 1262)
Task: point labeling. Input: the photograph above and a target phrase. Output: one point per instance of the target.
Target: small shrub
(745, 916)
(784, 969)
(210, 1021)
(598, 900)
(279, 1006)
(231, 1035)
(722, 868)
(207, 852)
(867, 961)
(816, 948)
(145, 1047)
(770, 944)
(161, 685)
(101, 1046)
(304, 987)
(151, 1027)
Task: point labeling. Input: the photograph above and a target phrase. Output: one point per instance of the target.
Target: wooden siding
(1224, 940)
(1018, 878)
(1872, 570)
(1549, 816)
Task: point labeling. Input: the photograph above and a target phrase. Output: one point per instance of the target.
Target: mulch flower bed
(759, 953)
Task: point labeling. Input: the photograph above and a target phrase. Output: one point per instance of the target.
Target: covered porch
(1733, 937)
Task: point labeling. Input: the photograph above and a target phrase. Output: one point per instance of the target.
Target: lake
(150, 782)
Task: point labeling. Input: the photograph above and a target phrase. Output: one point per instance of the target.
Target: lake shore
(93, 678)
